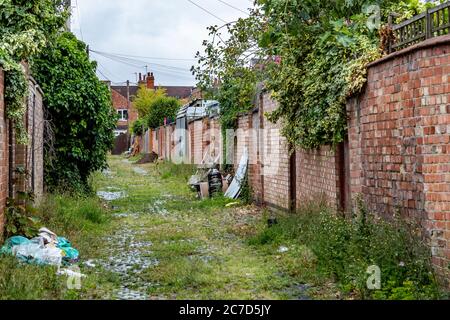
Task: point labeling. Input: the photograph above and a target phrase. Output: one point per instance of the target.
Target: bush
(345, 248)
(80, 111)
(161, 108)
(139, 126)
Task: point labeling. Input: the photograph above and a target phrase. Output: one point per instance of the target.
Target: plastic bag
(71, 254)
(13, 241)
(37, 254)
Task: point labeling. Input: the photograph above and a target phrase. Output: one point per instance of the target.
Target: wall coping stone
(422, 45)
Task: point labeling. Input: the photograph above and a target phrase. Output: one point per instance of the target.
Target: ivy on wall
(26, 26)
(81, 113)
(311, 55)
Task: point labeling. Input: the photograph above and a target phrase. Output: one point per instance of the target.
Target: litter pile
(208, 180)
(45, 249)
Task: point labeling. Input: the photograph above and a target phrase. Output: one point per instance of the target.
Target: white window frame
(121, 114)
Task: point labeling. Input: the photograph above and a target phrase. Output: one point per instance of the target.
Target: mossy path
(167, 244)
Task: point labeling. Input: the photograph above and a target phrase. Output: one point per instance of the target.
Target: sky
(168, 29)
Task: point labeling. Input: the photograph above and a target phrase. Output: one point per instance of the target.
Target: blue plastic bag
(71, 254)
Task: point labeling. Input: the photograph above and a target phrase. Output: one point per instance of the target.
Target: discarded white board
(234, 190)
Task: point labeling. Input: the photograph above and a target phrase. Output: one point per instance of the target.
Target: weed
(345, 248)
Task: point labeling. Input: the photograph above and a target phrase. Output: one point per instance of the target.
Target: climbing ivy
(311, 55)
(224, 70)
(80, 111)
(26, 26)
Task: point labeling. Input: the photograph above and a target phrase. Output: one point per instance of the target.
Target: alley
(167, 244)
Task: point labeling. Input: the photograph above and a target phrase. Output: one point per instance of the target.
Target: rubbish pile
(45, 249)
(208, 181)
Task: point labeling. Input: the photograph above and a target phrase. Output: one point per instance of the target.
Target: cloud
(151, 28)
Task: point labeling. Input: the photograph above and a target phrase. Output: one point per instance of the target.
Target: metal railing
(432, 23)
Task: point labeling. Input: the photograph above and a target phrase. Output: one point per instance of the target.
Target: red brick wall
(399, 134)
(317, 176)
(34, 151)
(254, 175)
(191, 141)
(215, 138)
(120, 102)
(275, 158)
(3, 155)
(197, 141)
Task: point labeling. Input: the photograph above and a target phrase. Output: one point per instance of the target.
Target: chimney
(150, 81)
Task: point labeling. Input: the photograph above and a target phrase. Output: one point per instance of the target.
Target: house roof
(172, 91)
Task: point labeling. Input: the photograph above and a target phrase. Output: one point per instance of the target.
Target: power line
(136, 62)
(207, 11)
(144, 57)
(231, 6)
(167, 72)
(107, 71)
(101, 73)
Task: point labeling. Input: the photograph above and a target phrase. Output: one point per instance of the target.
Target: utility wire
(136, 62)
(231, 6)
(101, 73)
(144, 57)
(207, 11)
(167, 72)
(107, 71)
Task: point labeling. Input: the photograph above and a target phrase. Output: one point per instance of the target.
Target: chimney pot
(150, 81)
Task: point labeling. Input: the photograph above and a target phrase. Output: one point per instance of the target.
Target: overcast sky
(171, 29)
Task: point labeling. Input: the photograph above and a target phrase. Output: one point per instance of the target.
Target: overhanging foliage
(81, 113)
(312, 55)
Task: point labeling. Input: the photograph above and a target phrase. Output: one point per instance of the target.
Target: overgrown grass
(324, 244)
(82, 220)
(180, 171)
(69, 214)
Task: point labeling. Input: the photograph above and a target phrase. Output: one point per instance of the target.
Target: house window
(123, 114)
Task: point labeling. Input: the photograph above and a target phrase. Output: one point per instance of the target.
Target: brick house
(123, 95)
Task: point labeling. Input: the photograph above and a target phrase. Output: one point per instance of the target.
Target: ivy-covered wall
(3, 153)
(25, 158)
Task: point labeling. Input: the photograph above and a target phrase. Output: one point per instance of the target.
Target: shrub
(80, 111)
(139, 126)
(345, 248)
(160, 109)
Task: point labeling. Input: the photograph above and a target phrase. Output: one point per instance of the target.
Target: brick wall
(34, 151)
(30, 157)
(121, 102)
(317, 176)
(399, 135)
(255, 169)
(3, 154)
(275, 160)
(214, 138)
(197, 141)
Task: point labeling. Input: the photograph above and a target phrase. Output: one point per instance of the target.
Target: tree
(160, 109)
(311, 55)
(144, 99)
(80, 111)
(139, 126)
(26, 26)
